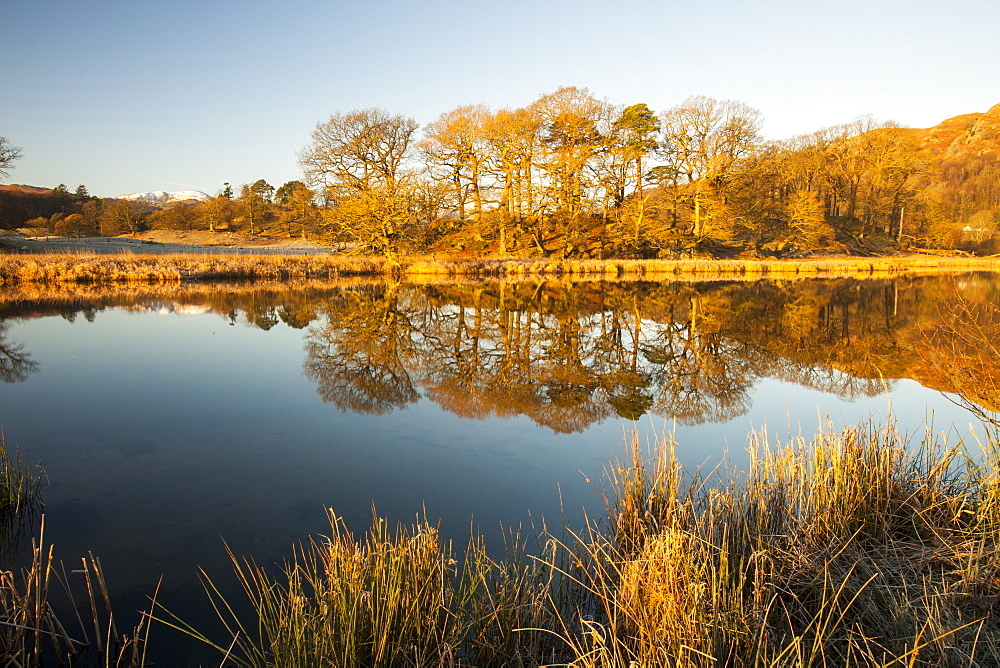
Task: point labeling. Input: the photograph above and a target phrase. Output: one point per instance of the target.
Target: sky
(127, 96)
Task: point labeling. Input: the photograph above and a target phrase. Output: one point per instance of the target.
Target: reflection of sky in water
(161, 433)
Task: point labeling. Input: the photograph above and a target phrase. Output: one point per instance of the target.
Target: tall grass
(32, 632)
(16, 269)
(137, 268)
(19, 493)
(388, 598)
(45, 618)
(852, 549)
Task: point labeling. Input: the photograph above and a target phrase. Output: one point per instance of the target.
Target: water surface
(169, 420)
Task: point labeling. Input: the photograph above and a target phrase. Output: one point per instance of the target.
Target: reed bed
(852, 549)
(135, 268)
(19, 492)
(85, 633)
(32, 633)
(156, 269)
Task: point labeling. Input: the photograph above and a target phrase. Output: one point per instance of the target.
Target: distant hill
(962, 182)
(19, 203)
(162, 197)
(21, 188)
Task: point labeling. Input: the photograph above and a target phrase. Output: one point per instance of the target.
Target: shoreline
(210, 266)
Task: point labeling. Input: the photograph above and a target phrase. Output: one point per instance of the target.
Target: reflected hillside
(571, 355)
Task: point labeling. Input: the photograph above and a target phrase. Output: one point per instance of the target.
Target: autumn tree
(573, 125)
(849, 161)
(123, 216)
(256, 199)
(75, 225)
(890, 181)
(512, 137)
(704, 141)
(571, 121)
(807, 220)
(456, 149)
(296, 206)
(91, 212)
(218, 212)
(359, 159)
(174, 216)
(633, 136)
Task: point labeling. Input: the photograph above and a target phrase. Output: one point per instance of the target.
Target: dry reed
(854, 549)
(138, 268)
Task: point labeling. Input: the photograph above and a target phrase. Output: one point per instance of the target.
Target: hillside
(965, 136)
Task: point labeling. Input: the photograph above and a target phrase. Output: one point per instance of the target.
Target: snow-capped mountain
(161, 197)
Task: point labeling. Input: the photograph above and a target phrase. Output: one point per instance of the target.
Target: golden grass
(854, 549)
(857, 548)
(136, 268)
(32, 633)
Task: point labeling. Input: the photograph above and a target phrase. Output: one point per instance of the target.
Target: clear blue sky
(134, 95)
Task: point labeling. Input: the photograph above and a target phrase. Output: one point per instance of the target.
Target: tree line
(575, 176)
(288, 209)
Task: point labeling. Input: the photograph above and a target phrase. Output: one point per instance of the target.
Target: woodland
(572, 175)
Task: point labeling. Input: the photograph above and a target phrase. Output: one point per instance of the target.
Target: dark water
(170, 420)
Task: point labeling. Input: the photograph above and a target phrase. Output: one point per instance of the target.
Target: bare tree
(704, 140)
(572, 132)
(359, 160)
(455, 146)
(8, 154)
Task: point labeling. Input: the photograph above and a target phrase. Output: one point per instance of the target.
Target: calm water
(168, 421)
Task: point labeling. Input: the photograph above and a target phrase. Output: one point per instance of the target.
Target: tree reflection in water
(963, 349)
(15, 364)
(568, 355)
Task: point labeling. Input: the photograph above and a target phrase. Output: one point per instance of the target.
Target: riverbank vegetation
(83, 268)
(857, 548)
(51, 614)
(572, 175)
(19, 492)
(854, 549)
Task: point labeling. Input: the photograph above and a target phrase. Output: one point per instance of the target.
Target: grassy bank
(850, 550)
(135, 268)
